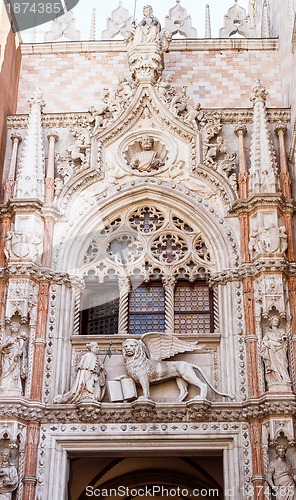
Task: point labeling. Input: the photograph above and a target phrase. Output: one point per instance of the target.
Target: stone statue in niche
(143, 361)
(146, 160)
(280, 475)
(274, 352)
(90, 380)
(8, 475)
(13, 361)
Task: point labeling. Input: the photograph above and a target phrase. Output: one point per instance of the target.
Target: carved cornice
(262, 201)
(253, 270)
(107, 46)
(228, 115)
(79, 341)
(15, 206)
(150, 412)
(38, 274)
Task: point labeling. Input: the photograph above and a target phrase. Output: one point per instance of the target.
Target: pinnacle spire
(92, 34)
(208, 29)
(263, 170)
(30, 177)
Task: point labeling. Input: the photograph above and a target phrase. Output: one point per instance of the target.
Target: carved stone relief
(146, 42)
(281, 475)
(9, 479)
(267, 235)
(21, 299)
(143, 361)
(274, 352)
(90, 381)
(14, 363)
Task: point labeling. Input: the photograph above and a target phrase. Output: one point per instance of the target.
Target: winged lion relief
(147, 362)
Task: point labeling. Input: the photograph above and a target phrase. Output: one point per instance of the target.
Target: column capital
(15, 136)
(169, 282)
(53, 135)
(280, 127)
(240, 129)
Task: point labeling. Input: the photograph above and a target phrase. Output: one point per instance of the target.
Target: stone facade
(148, 270)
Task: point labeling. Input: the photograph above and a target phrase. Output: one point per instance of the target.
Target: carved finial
(178, 21)
(259, 93)
(63, 26)
(120, 22)
(36, 99)
(237, 21)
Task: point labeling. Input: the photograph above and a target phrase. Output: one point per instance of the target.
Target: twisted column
(124, 289)
(169, 283)
(49, 181)
(285, 178)
(9, 183)
(241, 130)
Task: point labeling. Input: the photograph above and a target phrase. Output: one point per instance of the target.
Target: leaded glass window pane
(146, 309)
(193, 308)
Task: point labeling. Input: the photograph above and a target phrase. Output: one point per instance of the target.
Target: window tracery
(161, 264)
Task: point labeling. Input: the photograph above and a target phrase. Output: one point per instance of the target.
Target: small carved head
(5, 455)
(274, 321)
(147, 143)
(281, 450)
(148, 11)
(14, 327)
(129, 347)
(93, 347)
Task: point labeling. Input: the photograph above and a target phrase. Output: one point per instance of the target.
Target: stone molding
(176, 45)
(253, 270)
(228, 116)
(190, 411)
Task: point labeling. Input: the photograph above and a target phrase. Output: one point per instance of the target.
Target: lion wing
(164, 346)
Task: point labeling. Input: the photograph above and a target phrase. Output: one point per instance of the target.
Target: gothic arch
(219, 238)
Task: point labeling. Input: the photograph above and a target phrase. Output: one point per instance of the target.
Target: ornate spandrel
(146, 43)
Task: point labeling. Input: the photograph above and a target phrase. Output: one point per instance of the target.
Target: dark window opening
(100, 309)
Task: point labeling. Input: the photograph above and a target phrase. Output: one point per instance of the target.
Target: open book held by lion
(144, 364)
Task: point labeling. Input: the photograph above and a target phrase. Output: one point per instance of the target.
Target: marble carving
(144, 364)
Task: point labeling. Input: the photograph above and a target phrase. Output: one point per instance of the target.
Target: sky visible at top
(195, 8)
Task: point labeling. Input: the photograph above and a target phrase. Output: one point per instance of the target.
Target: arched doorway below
(142, 477)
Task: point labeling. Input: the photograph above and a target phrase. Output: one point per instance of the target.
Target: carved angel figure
(143, 361)
(90, 380)
(8, 475)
